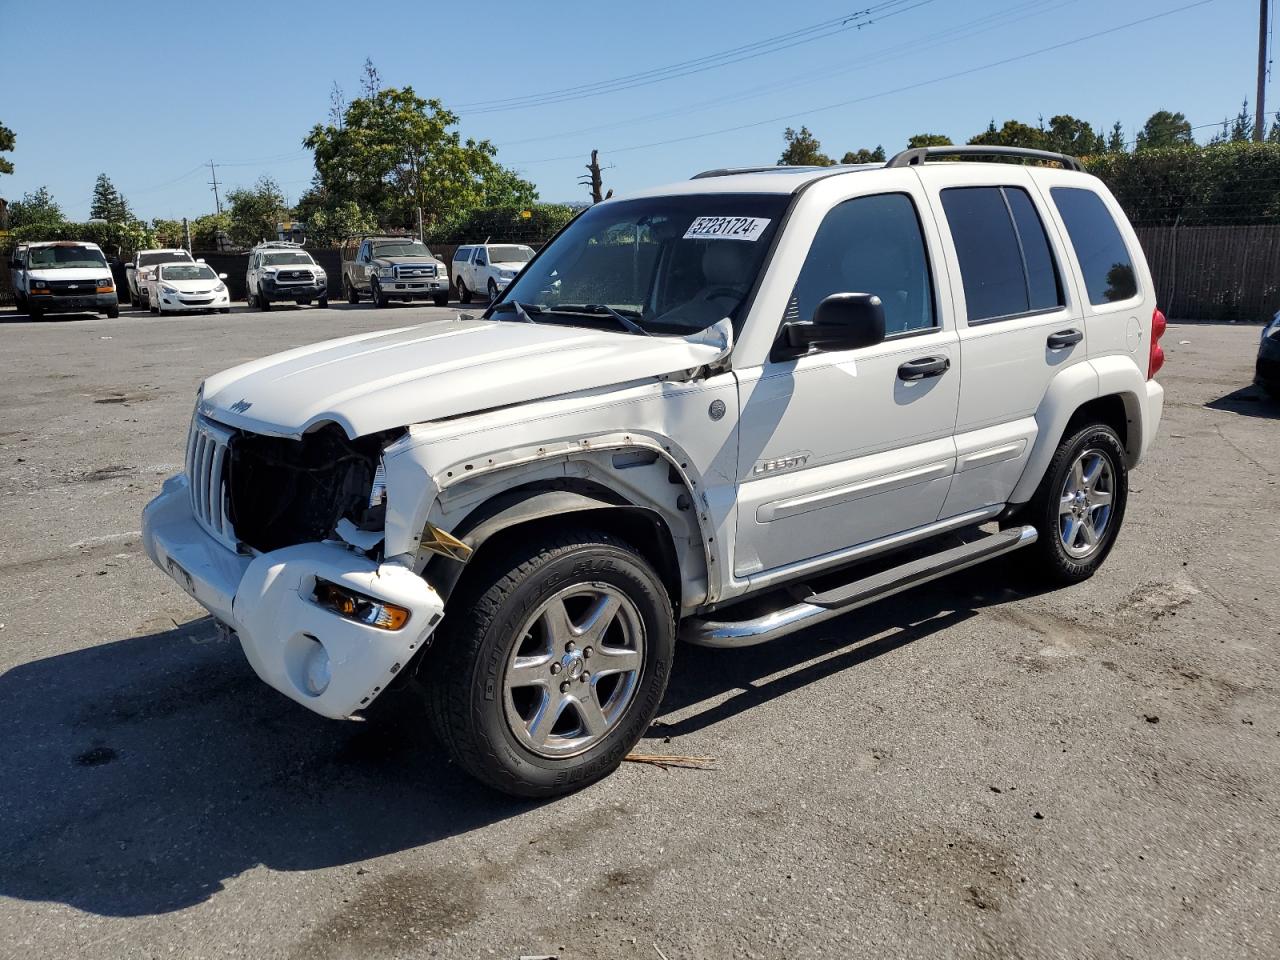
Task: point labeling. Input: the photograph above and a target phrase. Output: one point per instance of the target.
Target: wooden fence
(1215, 273)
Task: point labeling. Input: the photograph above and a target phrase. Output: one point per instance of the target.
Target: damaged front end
(282, 541)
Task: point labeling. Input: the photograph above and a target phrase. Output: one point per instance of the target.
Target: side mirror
(222, 276)
(843, 321)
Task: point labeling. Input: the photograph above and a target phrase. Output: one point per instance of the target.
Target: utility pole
(213, 171)
(1260, 117)
(186, 232)
(421, 236)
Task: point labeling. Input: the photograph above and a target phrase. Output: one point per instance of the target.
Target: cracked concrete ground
(961, 771)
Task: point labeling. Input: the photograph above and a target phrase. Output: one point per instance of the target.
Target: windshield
(276, 259)
(674, 265)
(187, 271)
(58, 258)
(511, 254)
(167, 256)
(405, 248)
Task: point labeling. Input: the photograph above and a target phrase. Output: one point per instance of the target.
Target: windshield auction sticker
(726, 228)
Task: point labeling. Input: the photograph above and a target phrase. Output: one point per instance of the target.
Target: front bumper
(265, 599)
(1267, 370)
(88, 303)
(190, 302)
(415, 289)
(293, 291)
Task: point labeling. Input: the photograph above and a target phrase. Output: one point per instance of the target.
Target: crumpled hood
(443, 368)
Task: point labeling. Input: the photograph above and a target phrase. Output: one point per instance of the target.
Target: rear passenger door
(1020, 320)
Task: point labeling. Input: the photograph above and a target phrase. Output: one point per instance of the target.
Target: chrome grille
(411, 273)
(206, 473)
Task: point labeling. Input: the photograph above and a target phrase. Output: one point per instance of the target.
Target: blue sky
(243, 84)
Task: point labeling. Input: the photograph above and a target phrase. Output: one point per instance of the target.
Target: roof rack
(918, 155)
(287, 244)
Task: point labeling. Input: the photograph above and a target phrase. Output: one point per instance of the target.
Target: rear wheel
(557, 666)
(464, 295)
(1079, 506)
(353, 296)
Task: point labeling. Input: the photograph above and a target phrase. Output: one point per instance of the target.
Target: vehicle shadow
(139, 776)
(756, 675)
(1250, 401)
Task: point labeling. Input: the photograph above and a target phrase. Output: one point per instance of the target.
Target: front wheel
(440, 299)
(1079, 506)
(111, 313)
(379, 299)
(323, 303)
(554, 666)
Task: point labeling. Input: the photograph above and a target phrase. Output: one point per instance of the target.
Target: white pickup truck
(723, 410)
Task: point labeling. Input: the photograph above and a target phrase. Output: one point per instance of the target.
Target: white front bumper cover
(267, 601)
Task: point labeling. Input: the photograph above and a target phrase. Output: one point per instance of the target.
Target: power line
(855, 20)
(889, 54)
(885, 93)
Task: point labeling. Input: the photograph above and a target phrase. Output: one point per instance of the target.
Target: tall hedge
(116, 239)
(501, 224)
(1221, 184)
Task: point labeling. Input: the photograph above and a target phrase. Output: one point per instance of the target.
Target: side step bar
(818, 607)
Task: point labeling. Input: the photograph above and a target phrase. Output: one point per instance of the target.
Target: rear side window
(1005, 260)
(870, 245)
(1104, 259)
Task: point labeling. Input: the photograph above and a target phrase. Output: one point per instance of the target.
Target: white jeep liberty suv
(806, 388)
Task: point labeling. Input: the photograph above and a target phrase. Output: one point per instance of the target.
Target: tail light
(1156, 359)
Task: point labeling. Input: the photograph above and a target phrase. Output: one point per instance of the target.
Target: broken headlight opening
(356, 606)
(283, 492)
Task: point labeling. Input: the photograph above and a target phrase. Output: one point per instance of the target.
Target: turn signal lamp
(359, 608)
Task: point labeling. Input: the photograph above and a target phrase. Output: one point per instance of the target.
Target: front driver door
(845, 447)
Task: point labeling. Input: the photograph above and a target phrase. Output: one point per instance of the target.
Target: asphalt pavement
(965, 770)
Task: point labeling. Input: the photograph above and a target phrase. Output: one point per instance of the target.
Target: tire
(440, 299)
(263, 303)
(303, 303)
(153, 309)
(464, 295)
(375, 290)
(1069, 515)
(35, 313)
(493, 290)
(353, 295)
(323, 303)
(488, 733)
(224, 309)
(111, 313)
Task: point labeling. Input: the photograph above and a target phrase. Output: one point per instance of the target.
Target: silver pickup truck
(394, 268)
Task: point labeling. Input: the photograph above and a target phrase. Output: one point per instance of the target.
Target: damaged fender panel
(450, 468)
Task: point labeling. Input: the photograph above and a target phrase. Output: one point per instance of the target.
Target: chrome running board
(817, 607)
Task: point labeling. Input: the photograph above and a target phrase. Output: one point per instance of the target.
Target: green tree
(1012, 134)
(255, 211)
(395, 153)
(1115, 139)
(7, 140)
(1273, 132)
(864, 155)
(108, 203)
(206, 230)
(330, 221)
(169, 233)
(35, 210)
(1164, 129)
(1066, 134)
(802, 150)
(928, 140)
(1242, 125)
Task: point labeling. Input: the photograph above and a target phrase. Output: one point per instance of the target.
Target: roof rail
(279, 243)
(772, 168)
(918, 155)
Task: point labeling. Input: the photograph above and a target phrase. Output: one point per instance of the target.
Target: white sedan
(188, 287)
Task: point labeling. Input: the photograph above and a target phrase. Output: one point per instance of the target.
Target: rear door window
(1005, 261)
(1104, 259)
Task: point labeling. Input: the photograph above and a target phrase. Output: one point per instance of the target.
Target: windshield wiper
(602, 310)
(521, 310)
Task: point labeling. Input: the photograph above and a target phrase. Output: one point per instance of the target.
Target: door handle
(924, 367)
(1064, 338)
